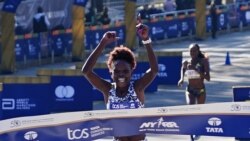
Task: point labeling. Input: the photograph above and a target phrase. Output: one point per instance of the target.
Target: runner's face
(194, 52)
(121, 73)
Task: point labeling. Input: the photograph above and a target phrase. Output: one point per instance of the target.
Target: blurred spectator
(180, 4)
(185, 4)
(169, 5)
(217, 2)
(104, 17)
(40, 21)
(145, 13)
(214, 23)
(90, 17)
(154, 10)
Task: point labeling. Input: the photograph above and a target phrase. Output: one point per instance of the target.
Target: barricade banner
(185, 26)
(157, 30)
(208, 23)
(70, 93)
(88, 40)
(68, 39)
(33, 47)
(223, 21)
(94, 36)
(233, 16)
(245, 17)
(169, 68)
(217, 119)
(241, 93)
(18, 100)
(58, 43)
(120, 32)
(171, 28)
(20, 49)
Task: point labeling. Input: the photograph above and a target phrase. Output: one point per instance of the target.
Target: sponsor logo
(160, 126)
(59, 43)
(209, 21)
(18, 49)
(222, 19)
(15, 123)
(64, 93)
(214, 123)
(17, 104)
(184, 26)
(137, 76)
(9, 6)
(162, 70)
(237, 107)
(173, 27)
(157, 30)
(77, 134)
(88, 114)
(81, 134)
(8, 104)
(247, 16)
(162, 110)
(30, 136)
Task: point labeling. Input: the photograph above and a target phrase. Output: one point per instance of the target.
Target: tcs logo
(64, 91)
(77, 134)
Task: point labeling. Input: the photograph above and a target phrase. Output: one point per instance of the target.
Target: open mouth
(121, 80)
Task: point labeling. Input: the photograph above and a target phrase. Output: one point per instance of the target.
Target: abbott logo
(31, 135)
(214, 121)
(8, 104)
(64, 91)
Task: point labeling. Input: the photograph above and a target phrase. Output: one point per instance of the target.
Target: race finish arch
(8, 12)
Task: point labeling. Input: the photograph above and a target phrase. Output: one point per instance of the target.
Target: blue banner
(172, 28)
(69, 41)
(20, 49)
(208, 23)
(157, 31)
(233, 16)
(218, 119)
(80, 2)
(241, 93)
(11, 5)
(25, 100)
(33, 48)
(71, 93)
(186, 26)
(169, 68)
(58, 44)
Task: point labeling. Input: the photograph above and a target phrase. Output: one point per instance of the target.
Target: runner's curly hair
(121, 53)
